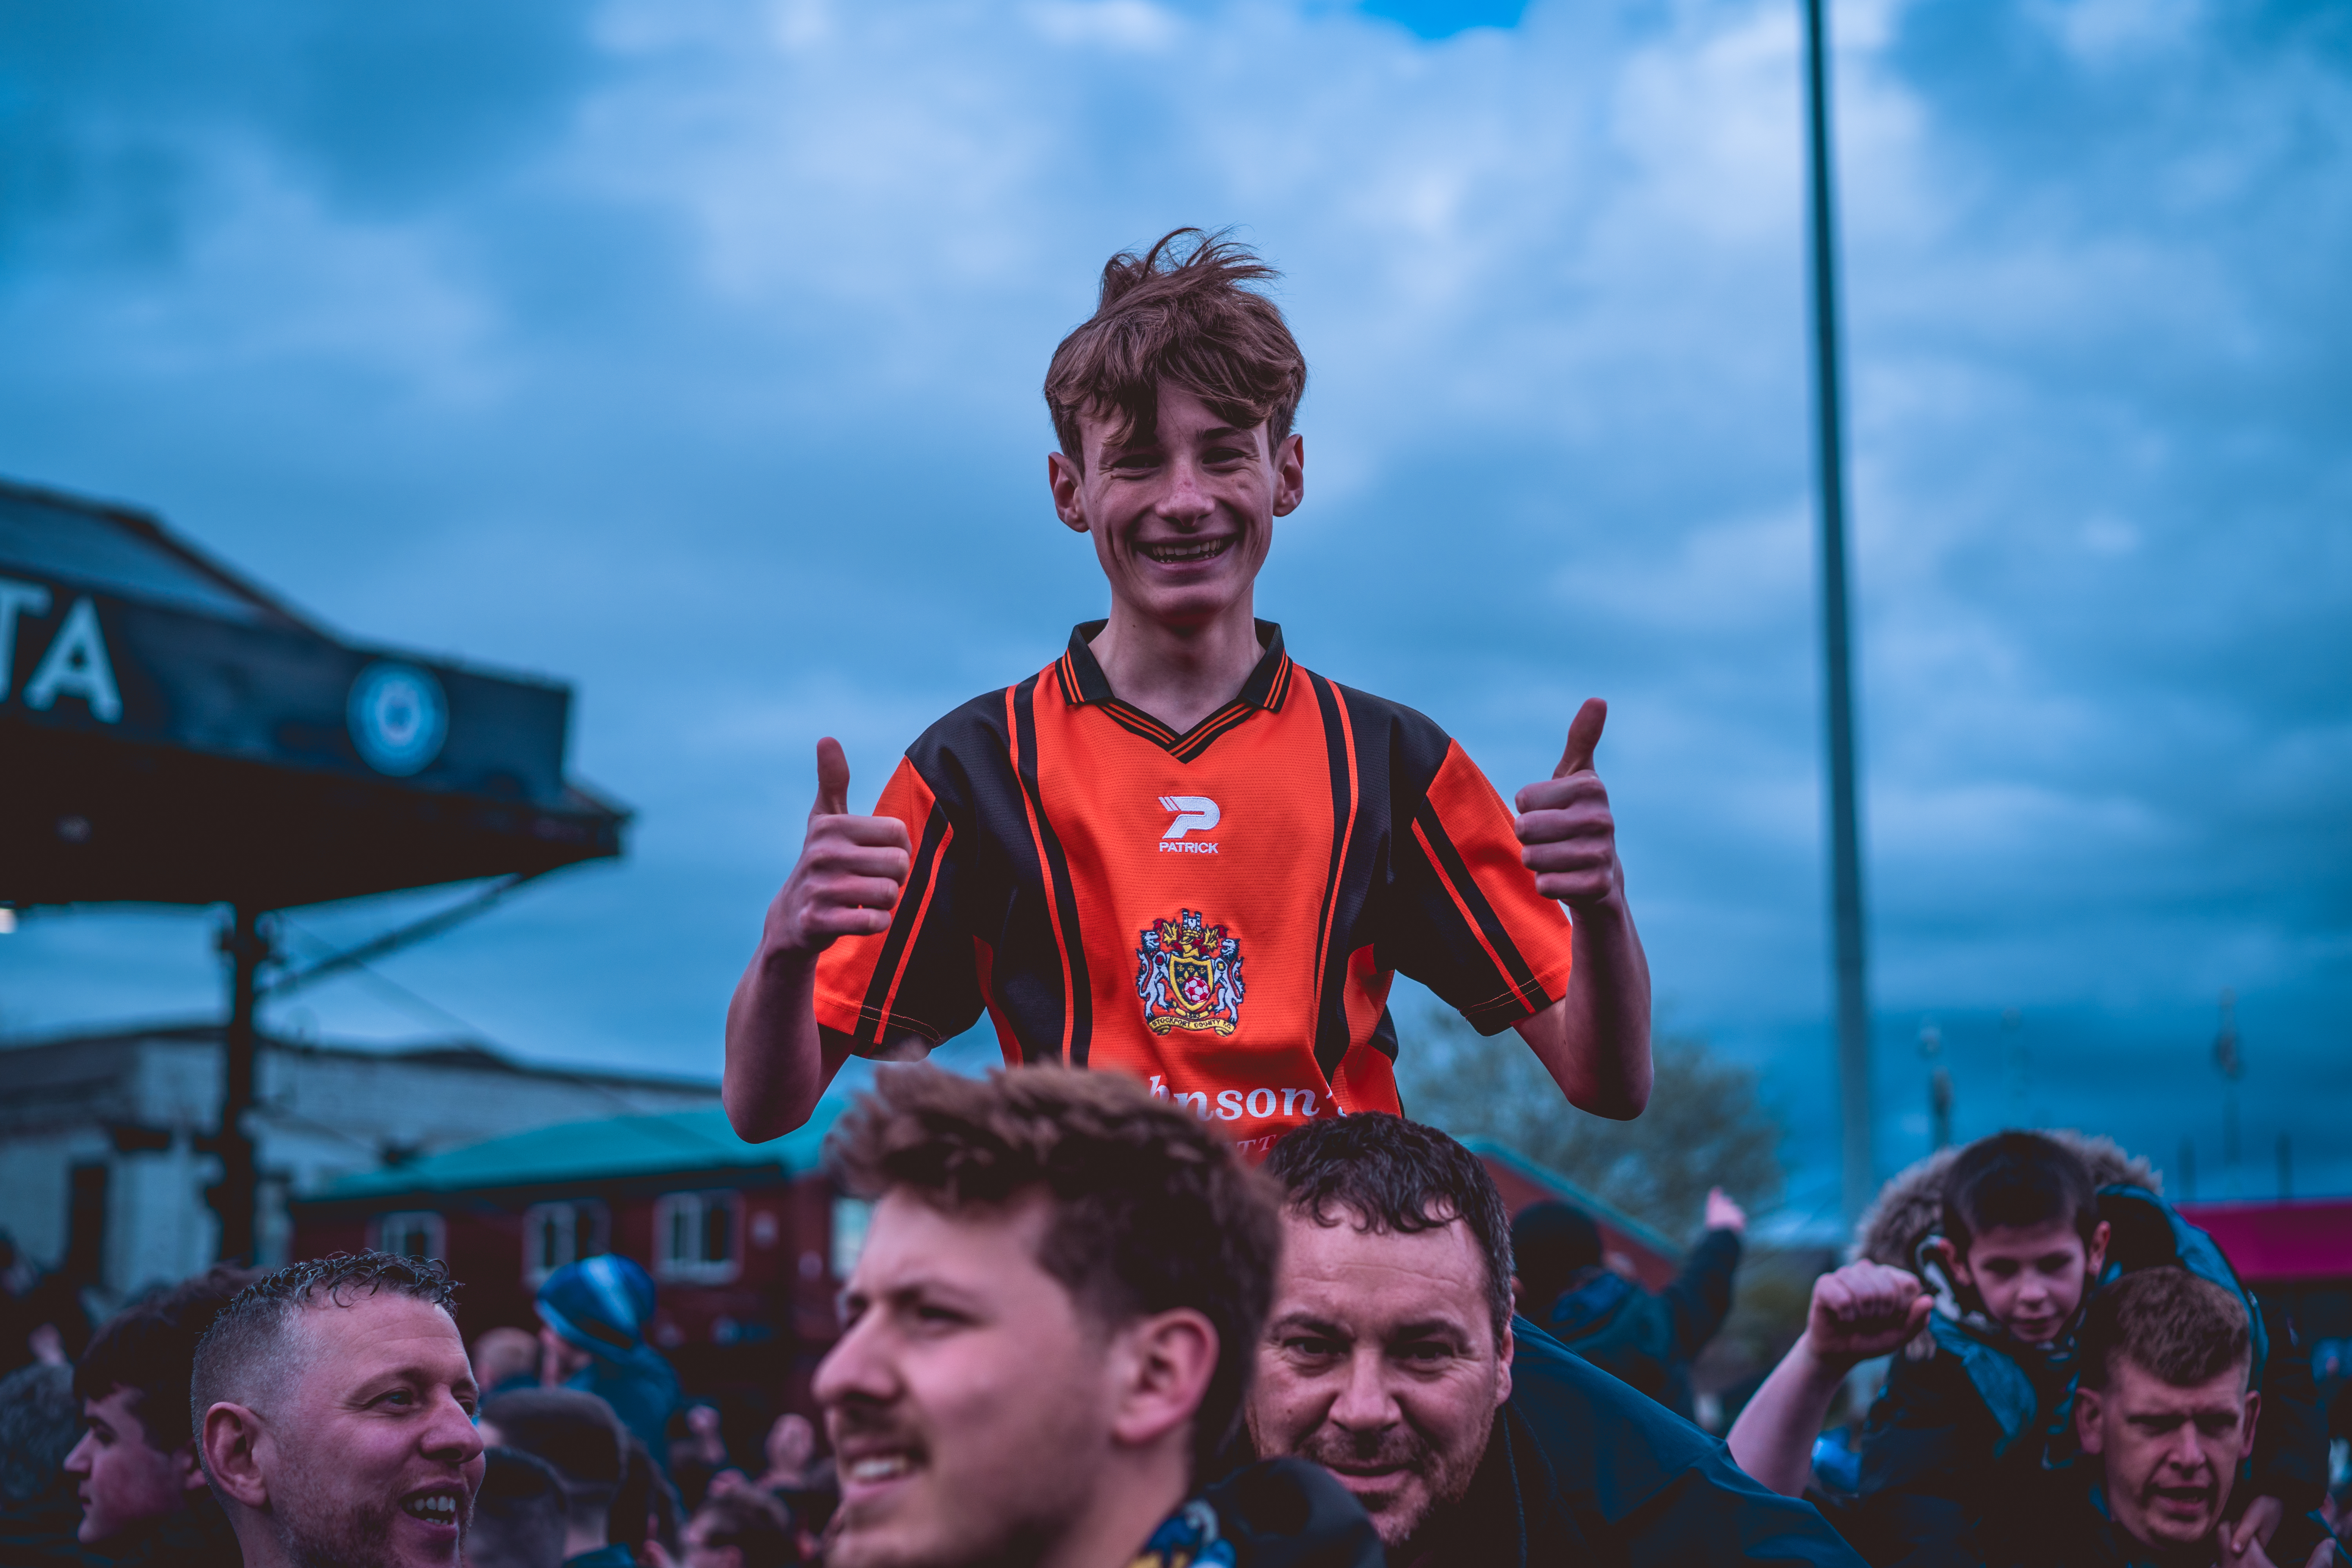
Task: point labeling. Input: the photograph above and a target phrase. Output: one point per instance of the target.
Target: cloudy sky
(689, 352)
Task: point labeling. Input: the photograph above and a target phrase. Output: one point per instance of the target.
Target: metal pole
(1845, 838)
(233, 1197)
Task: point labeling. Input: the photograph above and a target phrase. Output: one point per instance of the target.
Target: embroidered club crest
(1189, 975)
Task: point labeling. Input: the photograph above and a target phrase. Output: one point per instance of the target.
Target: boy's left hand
(1565, 822)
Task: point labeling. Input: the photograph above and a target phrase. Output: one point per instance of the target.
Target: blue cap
(600, 1304)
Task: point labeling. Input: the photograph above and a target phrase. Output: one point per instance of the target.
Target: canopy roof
(174, 734)
(619, 1147)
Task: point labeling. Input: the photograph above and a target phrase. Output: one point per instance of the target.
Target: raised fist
(1864, 1309)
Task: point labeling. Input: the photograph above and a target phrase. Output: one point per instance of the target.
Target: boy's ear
(1954, 1259)
(2087, 1420)
(1064, 478)
(2253, 1415)
(2100, 1236)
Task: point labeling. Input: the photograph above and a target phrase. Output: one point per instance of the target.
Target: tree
(1704, 1127)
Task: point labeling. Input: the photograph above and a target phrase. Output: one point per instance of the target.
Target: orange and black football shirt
(1218, 912)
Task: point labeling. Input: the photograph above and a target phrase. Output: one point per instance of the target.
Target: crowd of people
(1084, 1330)
(1216, 1303)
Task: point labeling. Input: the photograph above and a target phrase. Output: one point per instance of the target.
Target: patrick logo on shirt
(1189, 975)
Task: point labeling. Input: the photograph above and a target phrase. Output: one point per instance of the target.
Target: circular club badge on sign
(398, 718)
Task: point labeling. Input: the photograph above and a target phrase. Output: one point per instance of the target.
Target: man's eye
(1312, 1346)
(1424, 1353)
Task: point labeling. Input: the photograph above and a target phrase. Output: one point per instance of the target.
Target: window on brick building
(695, 1236)
(412, 1236)
(556, 1234)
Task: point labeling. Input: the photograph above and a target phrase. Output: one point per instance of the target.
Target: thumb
(832, 779)
(1583, 735)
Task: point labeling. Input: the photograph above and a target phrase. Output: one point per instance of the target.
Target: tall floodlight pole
(1845, 838)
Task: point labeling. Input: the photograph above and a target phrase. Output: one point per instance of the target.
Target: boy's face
(1182, 516)
(2169, 1452)
(967, 1397)
(2030, 1278)
(122, 1479)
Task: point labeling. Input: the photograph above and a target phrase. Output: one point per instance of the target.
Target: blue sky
(689, 352)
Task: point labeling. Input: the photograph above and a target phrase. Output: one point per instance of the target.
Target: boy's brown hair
(2176, 1327)
(2018, 1180)
(1182, 317)
(1153, 1210)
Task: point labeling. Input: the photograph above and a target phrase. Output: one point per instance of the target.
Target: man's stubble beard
(332, 1537)
(1404, 1536)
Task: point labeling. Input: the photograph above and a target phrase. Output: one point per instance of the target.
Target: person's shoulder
(1576, 1412)
(1414, 744)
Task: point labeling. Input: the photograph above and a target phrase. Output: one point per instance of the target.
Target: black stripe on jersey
(1331, 1019)
(1197, 738)
(1139, 723)
(1515, 964)
(903, 924)
(1079, 1000)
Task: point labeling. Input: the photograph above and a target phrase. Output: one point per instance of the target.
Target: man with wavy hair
(1048, 1335)
(1173, 851)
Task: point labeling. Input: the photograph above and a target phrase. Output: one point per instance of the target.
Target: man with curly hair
(1173, 851)
(333, 1407)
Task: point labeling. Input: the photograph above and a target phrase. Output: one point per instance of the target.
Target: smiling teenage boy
(1173, 851)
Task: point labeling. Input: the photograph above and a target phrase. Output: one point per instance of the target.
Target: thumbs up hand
(851, 869)
(1564, 823)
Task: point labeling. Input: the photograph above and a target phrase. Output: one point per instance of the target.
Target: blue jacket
(1649, 1341)
(1581, 1469)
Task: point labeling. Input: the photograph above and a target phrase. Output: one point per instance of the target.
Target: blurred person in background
(142, 1487)
(697, 1451)
(333, 1410)
(39, 1419)
(1392, 1357)
(645, 1511)
(2013, 1237)
(1285, 840)
(578, 1435)
(742, 1529)
(1644, 1339)
(594, 1315)
(519, 1513)
(505, 1359)
(1048, 1334)
(41, 1314)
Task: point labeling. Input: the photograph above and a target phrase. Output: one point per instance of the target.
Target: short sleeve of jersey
(920, 976)
(1468, 922)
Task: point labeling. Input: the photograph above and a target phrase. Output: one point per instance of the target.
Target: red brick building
(745, 1242)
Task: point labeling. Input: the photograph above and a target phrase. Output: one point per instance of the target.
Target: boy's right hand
(1864, 1309)
(850, 872)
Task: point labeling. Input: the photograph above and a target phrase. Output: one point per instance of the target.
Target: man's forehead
(982, 1248)
(1377, 1277)
(365, 1336)
(2136, 1391)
